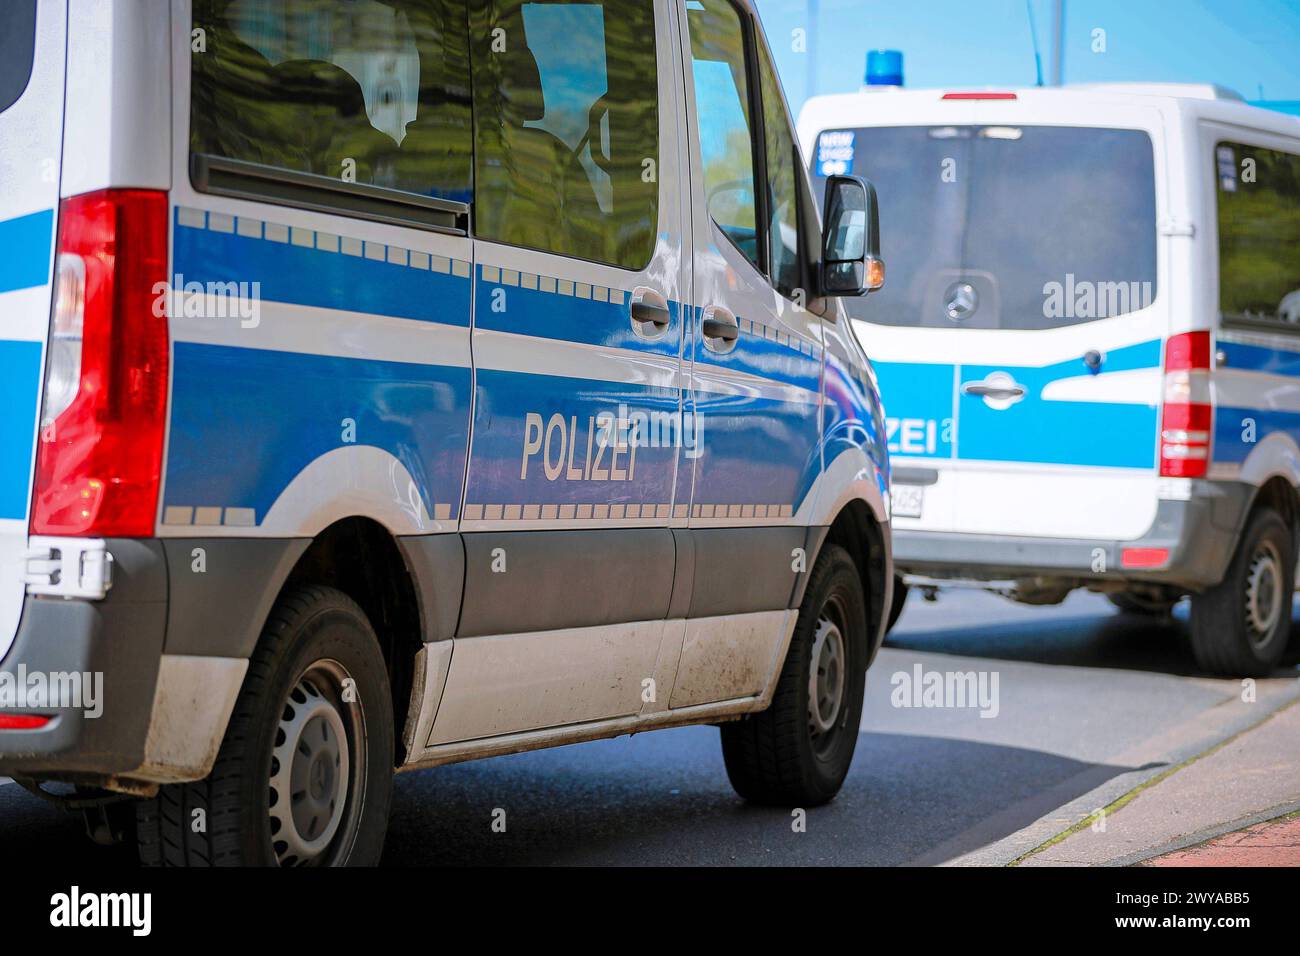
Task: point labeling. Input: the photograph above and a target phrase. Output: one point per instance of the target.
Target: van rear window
(17, 49)
(367, 91)
(1004, 227)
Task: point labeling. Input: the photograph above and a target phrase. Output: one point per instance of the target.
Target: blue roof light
(884, 68)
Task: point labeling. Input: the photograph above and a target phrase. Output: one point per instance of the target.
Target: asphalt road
(1089, 704)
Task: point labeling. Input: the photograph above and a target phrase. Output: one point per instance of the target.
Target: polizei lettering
(595, 448)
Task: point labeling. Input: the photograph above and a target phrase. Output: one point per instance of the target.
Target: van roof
(895, 106)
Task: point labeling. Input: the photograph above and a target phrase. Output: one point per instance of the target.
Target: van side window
(17, 49)
(1259, 234)
(566, 127)
(722, 104)
(367, 91)
(782, 182)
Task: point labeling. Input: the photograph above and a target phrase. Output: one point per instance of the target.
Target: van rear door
(1018, 342)
(32, 50)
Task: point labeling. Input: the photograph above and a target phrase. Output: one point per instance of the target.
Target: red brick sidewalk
(1275, 843)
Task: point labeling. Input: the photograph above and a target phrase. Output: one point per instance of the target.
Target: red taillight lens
(1144, 557)
(1187, 420)
(100, 452)
(986, 95)
(22, 721)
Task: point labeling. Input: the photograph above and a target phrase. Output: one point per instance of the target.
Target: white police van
(391, 383)
(1089, 350)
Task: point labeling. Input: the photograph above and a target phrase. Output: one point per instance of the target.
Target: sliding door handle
(720, 328)
(650, 313)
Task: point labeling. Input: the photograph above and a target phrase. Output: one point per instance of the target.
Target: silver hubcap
(311, 770)
(826, 677)
(1264, 592)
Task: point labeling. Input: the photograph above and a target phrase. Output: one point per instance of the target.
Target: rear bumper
(103, 658)
(1198, 536)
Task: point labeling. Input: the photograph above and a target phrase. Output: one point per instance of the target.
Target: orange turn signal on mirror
(875, 274)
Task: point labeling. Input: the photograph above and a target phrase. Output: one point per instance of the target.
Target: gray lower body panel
(1199, 535)
(115, 645)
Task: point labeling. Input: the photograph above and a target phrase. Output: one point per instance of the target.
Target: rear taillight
(23, 721)
(105, 397)
(1187, 420)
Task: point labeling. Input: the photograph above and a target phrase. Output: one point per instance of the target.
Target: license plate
(905, 500)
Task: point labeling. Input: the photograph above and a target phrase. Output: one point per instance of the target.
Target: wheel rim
(1264, 592)
(316, 768)
(827, 675)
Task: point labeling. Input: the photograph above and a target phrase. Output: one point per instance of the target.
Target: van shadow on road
(1114, 641)
(663, 798)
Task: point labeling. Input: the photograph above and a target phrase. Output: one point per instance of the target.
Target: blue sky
(1236, 43)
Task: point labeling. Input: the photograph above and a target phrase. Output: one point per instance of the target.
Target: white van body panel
(31, 131)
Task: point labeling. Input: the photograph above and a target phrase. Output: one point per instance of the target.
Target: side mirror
(851, 263)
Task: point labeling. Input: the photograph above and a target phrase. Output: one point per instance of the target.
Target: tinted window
(722, 101)
(371, 91)
(567, 127)
(1259, 234)
(782, 184)
(17, 47)
(1005, 227)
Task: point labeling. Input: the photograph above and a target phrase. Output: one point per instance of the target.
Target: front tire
(1241, 626)
(798, 751)
(899, 599)
(304, 776)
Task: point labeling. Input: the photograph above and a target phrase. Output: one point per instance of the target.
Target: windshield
(1004, 227)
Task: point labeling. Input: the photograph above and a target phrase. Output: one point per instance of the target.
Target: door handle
(650, 314)
(720, 326)
(993, 391)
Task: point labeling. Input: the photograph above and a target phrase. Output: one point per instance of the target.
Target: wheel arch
(361, 558)
(856, 529)
(1280, 494)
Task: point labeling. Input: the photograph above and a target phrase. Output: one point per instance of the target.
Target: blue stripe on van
(1238, 431)
(1098, 434)
(25, 250)
(302, 275)
(245, 422)
(919, 398)
(566, 318)
(1260, 358)
(20, 383)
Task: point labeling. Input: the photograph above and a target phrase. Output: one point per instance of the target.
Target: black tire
(315, 639)
(1241, 626)
(900, 598)
(779, 757)
(1141, 605)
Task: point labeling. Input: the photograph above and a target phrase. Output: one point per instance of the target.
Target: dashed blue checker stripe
(320, 269)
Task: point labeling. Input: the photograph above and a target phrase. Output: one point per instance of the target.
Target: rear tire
(314, 719)
(798, 751)
(1240, 627)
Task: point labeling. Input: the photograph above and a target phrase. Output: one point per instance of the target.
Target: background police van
(393, 383)
(1089, 348)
